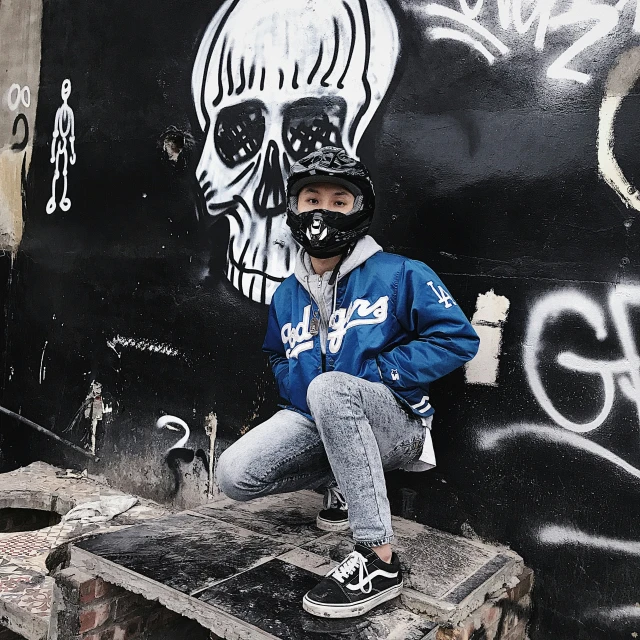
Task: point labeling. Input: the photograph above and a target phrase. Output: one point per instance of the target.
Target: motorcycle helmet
(323, 233)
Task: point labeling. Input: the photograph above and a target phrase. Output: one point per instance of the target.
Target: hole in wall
(175, 146)
(13, 520)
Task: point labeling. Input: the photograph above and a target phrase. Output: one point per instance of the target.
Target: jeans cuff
(375, 543)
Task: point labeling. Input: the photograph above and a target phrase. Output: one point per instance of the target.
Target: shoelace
(333, 499)
(348, 567)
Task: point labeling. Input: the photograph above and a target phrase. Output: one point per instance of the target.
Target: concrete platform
(241, 569)
(25, 584)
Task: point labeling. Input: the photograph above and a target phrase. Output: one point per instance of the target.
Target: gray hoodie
(323, 293)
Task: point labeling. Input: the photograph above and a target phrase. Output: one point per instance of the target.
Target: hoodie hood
(364, 249)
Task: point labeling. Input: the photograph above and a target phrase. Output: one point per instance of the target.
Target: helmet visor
(298, 186)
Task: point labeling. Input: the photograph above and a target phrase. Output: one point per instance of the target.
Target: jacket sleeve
(443, 339)
(274, 348)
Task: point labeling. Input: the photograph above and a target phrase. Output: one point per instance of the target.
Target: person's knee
(232, 477)
(325, 386)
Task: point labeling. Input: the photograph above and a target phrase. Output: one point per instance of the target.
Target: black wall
(487, 172)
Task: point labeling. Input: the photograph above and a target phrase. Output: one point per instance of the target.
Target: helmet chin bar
(325, 234)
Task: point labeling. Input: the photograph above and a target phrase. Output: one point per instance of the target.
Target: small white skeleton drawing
(274, 80)
(62, 149)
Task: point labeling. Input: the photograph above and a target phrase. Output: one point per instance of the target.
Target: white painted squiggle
(585, 22)
(490, 440)
(43, 369)
(442, 33)
(142, 345)
(616, 613)
(167, 422)
(555, 535)
(622, 78)
(625, 370)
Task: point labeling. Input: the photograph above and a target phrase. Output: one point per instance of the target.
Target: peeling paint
(43, 369)
(488, 320)
(211, 429)
(142, 345)
(94, 411)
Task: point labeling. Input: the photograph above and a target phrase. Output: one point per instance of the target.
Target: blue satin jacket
(395, 323)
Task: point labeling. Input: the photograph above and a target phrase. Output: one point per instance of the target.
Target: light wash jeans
(358, 432)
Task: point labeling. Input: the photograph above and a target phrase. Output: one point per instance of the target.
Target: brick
(519, 632)
(95, 616)
(134, 627)
(452, 633)
(88, 591)
(128, 603)
(106, 589)
(524, 586)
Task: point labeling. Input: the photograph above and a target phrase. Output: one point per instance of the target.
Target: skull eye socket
(239, 132)
(312, 123)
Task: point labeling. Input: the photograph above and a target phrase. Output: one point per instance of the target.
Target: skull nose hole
(269, 198)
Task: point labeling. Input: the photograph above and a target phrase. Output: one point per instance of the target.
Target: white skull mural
(274, 80)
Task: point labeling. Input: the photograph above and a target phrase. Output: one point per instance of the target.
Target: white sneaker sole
(331, 525)
(351, 610)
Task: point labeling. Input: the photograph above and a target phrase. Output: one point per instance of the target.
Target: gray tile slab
(270, 597)
(185, 552)
(434, 562)
(289, 517)
(217, 564)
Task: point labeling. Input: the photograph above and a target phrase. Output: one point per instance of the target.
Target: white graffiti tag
(496, 28)
(623, 373)
(63, 150)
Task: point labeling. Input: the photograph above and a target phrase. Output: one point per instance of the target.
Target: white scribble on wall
(63, 150)
(170, 422)
(555, 535)
(488, 321)
(499, 438)
(496, 29)
(142, 345)
(621, 80)
(621, 374)
(269, 87)
(17, 96)
(43, 368)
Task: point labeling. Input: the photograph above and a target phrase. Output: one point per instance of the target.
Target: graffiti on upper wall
(19, 96)
(621, 80)
(269, 87)
(500, 28)
(63, 150)
(616, 375)
(192, 469)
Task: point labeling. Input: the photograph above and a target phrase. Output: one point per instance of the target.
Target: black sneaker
(359, 583)
(335, 515)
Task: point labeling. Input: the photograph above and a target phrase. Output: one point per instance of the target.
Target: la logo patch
(443, 296)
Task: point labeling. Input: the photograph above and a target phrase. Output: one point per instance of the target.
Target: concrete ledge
(241, 569)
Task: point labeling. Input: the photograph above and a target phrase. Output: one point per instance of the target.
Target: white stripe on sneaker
(366, 580)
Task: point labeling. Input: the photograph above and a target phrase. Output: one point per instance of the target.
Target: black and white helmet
(326, 233)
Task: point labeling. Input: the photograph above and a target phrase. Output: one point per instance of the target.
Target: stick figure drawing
(63, 133)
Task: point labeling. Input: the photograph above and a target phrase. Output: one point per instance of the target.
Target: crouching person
(355, 336)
